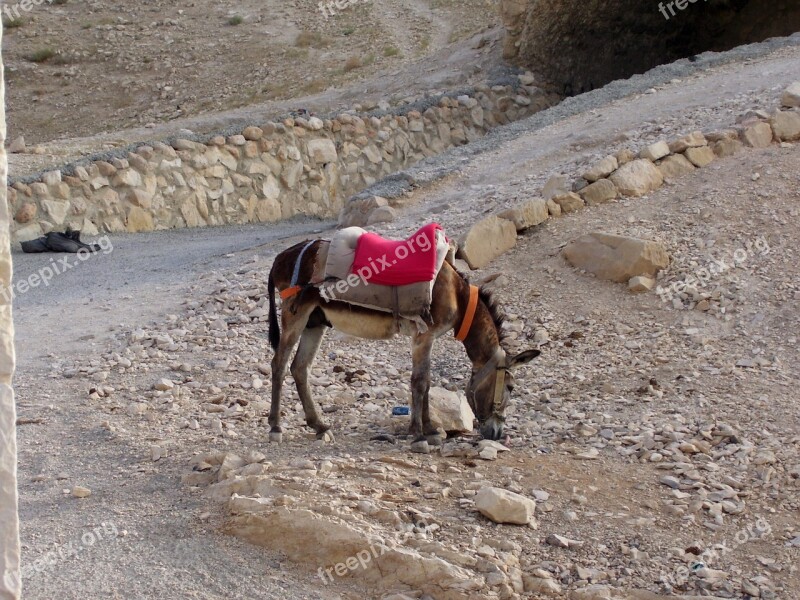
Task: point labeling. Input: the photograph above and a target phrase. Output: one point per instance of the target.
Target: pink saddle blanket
(390, 262)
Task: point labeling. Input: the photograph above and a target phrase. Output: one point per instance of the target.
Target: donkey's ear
(522, 358)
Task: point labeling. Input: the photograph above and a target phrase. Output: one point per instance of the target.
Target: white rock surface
(503, 506)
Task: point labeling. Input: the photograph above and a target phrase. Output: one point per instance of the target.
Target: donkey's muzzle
(492, 429)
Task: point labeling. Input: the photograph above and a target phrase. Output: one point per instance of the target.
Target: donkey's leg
(421, 427)
(301, 365)
(293, 325)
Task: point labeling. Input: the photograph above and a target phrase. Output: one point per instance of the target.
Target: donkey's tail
(274, 326)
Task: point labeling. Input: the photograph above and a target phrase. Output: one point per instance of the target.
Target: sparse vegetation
(59, 2)
(13, 23)
(349, 30)
(236, 20)
(391, 51)
(41, 55)
(352, 63)
(310, 39)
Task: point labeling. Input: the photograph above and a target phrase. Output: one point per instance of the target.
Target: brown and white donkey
(456, 305)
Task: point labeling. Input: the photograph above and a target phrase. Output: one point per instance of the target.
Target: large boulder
(486, 240)
(502, 506)
(450, 410)
(615, 257)
(637, 178)
(526, 215)
(675, 166)
(786, 125)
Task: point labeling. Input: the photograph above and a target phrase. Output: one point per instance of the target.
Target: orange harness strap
(469, 315)
(290, 291)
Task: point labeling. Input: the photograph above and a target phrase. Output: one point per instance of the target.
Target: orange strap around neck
(469, 314)
(290, 291)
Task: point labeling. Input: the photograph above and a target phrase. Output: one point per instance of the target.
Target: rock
(488, 454)
(164, 385)
(322, 151)
(726, 147)
(139, 220)
(700, 157)
(17, 146)
(253, 133)
(357, 211)
(382, 214)
(641, 284)
(559, 541)
(602, 169)
(786, 125)
(616, 258)
(758, 135)
(555, 186)
(599, 192)
(450, 410)
(675, 166)
(790, 98)
(29, 232)
(421, 447)
(541, 585)
(57, 211)
(655, 151)
(306, 537)
(26, 213)
(569, 202)
(528, 214)
(81, 492)
(695, 139)
(670, 481)
(486, 240)
(637, 178)
(553, 208)
(502, 506)
(625, 156)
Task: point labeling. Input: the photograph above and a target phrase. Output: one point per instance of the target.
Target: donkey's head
(490, 387)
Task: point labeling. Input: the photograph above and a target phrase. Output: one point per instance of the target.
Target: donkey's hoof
(435, 439)
(276, 436)
(421, 447)
(326, 436)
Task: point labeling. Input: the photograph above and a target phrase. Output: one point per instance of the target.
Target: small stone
(569, 202)
(164, 385)
(758, 135)
(641, 284)
(670, 481)
(599, 192)
(488, 454)
(486, 240)
(675, 166)
(695, 139)
(503, 506)
(420, 447)
(79, 491)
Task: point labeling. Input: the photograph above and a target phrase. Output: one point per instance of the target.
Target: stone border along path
(300, 165)
(622, 174)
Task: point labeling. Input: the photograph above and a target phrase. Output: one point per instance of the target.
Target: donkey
(456, 305)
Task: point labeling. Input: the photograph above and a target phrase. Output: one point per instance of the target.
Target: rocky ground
(659, 439)
(81, 69)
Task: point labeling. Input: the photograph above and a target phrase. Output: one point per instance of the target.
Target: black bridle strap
(497, 364)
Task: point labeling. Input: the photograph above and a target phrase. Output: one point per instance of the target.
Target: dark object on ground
(55, 241)
(400, 411)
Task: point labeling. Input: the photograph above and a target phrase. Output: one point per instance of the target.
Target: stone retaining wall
(299, 166)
